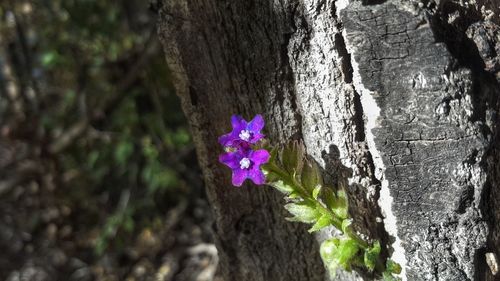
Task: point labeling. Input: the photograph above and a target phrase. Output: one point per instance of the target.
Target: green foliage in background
(103, 110)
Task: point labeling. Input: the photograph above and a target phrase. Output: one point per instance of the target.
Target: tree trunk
(398, 99)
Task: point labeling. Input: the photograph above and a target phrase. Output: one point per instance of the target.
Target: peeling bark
(398, 100)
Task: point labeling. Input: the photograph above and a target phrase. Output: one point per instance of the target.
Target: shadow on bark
(467, 41)
(365, 214)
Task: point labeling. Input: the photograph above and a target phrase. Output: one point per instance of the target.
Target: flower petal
(256, 175)
(238, 124)
(227, 139)
(239, 176)
(256, 137)
(260, 156)
(231, 159)
(256, 124)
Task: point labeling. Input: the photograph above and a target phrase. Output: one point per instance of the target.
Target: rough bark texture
(433, 129)
(231, 57)
(396, 99)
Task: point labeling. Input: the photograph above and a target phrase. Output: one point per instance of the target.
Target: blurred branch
(28, 62)
(100, 135)
(68, 137)
(151, 48)
(10, 89)
(25, 172)
(74, 132)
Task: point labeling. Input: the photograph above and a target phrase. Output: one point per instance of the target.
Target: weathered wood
(381, 101)
(432, 122)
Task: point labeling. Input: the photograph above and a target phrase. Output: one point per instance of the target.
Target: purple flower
(243, 132)
(245, 164)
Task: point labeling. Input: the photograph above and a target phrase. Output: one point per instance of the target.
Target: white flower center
(244, 135)
(245, 163)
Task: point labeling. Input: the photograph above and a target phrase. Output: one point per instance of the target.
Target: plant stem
(336, 222)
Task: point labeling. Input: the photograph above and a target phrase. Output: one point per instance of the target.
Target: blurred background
(98, 175)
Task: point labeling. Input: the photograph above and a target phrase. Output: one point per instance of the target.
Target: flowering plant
(291, 172)
(240, 157)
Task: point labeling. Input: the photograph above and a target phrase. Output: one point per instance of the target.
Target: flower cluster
(240, 156)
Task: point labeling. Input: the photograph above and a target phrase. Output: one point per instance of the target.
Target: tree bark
(396, 99)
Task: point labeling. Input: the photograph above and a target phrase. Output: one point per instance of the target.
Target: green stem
(380, 266)
(336, 222)
(304, 194)
(358, 239)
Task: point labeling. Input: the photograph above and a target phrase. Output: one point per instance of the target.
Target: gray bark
(398, 99)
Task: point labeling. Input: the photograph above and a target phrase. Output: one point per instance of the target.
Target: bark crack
(286, 72)
(460, 28)
(359, 121)
(369, 118)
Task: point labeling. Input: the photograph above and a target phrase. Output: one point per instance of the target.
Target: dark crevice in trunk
(346, 58)
(490, 200)
(360, 136)
(484, 96)
(286, 69)
(372, 2)
(489, 205)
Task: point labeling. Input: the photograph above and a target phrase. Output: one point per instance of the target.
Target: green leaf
(292, 157)
(345, 224)
(293, 195)
(340, 212)
(339, 205)
(342, 196)
(328, 251)
(393, 267)
(49, 58)
(316, 192)
(128, 223)
(282, 187)
(372, 255)
(330, 198)
(272, 166)
(338, 252)
(149, 150)
(389, 277)
(123, 151)
(92, 158)
(181, 137)
(323, 221)
(311, 176)
(303, 212)
(273, 153)
(347, 250)
(69, 98)
(270, 176)
(336, 203)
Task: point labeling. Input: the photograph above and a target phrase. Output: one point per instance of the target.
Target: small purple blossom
(243, 132)
(245, 164)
